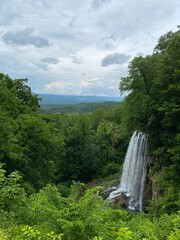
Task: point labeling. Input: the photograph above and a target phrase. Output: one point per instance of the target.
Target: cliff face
(155, 192)
(151, 182)
(151, 191)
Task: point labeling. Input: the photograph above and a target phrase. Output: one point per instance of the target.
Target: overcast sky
(79, 47)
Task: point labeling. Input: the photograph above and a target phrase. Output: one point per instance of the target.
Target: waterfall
(134, 172)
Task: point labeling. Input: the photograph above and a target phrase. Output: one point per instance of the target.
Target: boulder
(121, 200)
(106, 191)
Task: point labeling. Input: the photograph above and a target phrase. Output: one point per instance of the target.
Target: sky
(80, 47)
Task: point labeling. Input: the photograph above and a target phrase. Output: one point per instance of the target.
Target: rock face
(120, 200)
(155, 193)
(105, 192)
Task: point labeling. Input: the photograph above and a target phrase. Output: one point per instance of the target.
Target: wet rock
(121, 200)
(105, 192)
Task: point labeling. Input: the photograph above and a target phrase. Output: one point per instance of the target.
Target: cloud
(94, 86)
(140, 54)
(72, 22)
(25, 37)
(115, 58)
(107, 42)
(87, 36)
(61, 87)
(9, 12)
(77, 59)
(50, 60)
(98, 3)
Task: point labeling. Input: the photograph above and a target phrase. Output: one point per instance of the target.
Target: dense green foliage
(41, 154)
(80, 108)
(48, 215)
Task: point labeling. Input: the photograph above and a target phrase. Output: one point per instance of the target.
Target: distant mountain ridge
(73, 99)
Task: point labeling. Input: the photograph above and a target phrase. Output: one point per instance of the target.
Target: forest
(53, 166)
(79, 108)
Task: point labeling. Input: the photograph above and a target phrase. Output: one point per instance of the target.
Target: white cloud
(96, 4)
(59, 45)
(77, 59)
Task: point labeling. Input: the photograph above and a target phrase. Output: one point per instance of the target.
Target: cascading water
(134, 172)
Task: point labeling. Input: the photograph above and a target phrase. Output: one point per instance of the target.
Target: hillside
(80, 108)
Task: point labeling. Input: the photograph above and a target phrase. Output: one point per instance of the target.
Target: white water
(134, 172)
